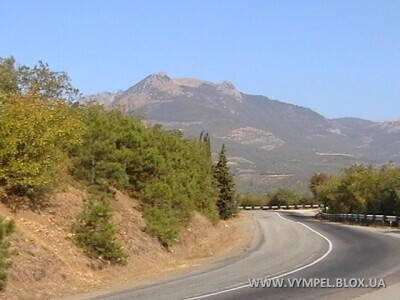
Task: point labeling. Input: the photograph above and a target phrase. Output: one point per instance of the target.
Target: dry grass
(48, 264)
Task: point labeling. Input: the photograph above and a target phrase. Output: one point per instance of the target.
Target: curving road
(290, 245)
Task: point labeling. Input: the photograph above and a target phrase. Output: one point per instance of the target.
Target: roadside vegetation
(227, 202)
(95, 231)
(47, 135)
(280, 197)
(7, 227)
(360, 189)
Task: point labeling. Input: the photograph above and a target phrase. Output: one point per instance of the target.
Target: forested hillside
(48, 138)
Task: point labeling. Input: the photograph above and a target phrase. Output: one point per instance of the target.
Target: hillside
(271, 143)
(84, 189)
(49, 265)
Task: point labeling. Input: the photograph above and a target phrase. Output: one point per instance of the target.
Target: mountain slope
(271, 143)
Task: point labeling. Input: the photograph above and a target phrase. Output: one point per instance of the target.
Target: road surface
(289, 245)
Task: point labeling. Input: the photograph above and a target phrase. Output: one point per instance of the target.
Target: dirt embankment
(49, 265)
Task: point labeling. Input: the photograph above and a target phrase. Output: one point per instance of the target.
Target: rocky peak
(159, 77)
(227, 85)
(156, 82)
(227, 88)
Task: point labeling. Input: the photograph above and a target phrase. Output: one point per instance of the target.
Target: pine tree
(96, 232)
(206, 141)
(226, 203)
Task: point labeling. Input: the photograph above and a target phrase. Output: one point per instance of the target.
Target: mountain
(271, 143)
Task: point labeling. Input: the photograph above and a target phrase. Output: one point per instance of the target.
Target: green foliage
(7, 227)
(280, 197)
(289, 197)
(8, 76)
(316, 180)
(38, 81)
(164, 224)
(37, 128)
(253, 200)
(206, 142)
(34, 139)
(283, 197)
(98, 157)
(42, 131)
(95, 231)
(170, 173)
(362, 189)
(227, 202)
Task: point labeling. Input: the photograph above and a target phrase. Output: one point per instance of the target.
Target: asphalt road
(289, 245)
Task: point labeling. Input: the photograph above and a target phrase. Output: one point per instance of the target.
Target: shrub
(283, 197)
(37, 127)
(168, 172)
(96, 233)
(316, 180)
(361, 189)
(252, 200)
(41, 131)
(164, 224)
(6, 228)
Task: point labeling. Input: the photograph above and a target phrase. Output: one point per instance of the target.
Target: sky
(340, 58)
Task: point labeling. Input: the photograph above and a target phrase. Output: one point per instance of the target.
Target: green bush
(253, 200)
(6, 228)
(284, 197)
(280, 197)
(168, 172)
(38, 127)
(96, 233)
(361, 189)
(42, 132)
(164, 224)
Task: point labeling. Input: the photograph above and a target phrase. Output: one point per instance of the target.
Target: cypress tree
(206, 142)
(226, 203)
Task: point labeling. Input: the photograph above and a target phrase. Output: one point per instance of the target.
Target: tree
(284, 197)
(97, 234)
(206, 141)
(316, 180)
(226, 203)
(173, 175)
(8, 76)
(38, 126)
(35, 136)
(38, 80)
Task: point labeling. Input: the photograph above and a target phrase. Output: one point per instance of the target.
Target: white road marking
(245, 285)
(286, 219)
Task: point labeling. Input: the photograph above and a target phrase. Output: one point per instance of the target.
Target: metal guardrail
(361, 218)
(273, 207)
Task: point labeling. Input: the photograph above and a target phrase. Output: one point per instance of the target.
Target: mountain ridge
(276, 137)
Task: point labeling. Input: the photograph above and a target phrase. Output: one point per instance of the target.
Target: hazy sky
(340, 58)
